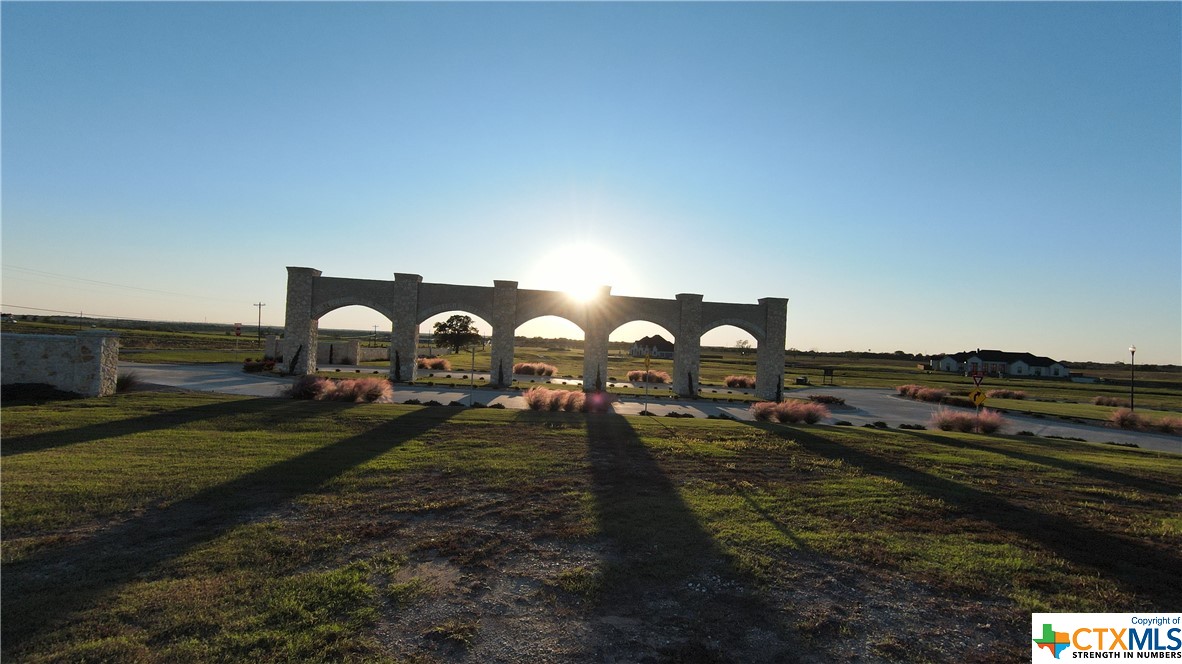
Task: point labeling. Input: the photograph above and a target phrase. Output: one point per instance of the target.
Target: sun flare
(581, 270)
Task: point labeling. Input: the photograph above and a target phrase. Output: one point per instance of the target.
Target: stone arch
(324, 308)
(407, 301)
(744, 325)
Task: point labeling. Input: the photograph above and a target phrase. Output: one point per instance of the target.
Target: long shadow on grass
(45, 589)
(666, 572)
(275, 411)
(1149, 572)
(1005, 448)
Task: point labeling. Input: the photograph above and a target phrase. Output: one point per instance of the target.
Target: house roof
(1004, 356)
(656, 341)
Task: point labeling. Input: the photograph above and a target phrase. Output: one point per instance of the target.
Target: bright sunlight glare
(580, 270)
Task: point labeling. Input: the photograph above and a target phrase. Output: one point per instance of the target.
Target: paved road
(863, 405)
(867, 405)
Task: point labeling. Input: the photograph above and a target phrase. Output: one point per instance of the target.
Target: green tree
(456, 332)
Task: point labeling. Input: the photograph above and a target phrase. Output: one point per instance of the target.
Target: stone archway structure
(408, 301)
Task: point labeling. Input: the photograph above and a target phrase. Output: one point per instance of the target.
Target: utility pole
(260, 305)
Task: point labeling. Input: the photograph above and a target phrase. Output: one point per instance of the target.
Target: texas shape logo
(1054, 641)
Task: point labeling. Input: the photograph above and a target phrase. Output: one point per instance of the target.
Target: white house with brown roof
(1001, 363)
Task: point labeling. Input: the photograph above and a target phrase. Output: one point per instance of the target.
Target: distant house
(1001, 363)
(655, 345)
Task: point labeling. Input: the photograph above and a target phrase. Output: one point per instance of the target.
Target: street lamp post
(260, 305)
(1132, 376)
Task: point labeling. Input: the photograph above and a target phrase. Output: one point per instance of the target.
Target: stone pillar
(504, 327)
(595, 341)
(299, 328)
(769, 356)
(404, 337)
(96, 371)
(687, 349)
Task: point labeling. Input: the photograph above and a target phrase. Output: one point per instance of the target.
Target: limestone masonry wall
(86, 363)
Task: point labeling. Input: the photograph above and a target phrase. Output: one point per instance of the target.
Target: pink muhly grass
(1125, 418)
(309, 387)
(534, 369)
(989, 421)
(1110, 401)
(433, 363)
(950, 420)
(740, 381)
(575, 402)
(793, 411)
(1005, 394)
(931, 394)
(641, 376)
(764, 411)
(908, 390)
(538, 398)
(1168, 425)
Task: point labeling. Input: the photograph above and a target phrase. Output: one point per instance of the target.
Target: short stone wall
(86, 363)
(371, 354)
(338, 352)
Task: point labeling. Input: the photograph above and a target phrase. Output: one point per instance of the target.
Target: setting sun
(580, 270)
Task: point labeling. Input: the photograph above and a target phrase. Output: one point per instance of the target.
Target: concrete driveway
(863, 405)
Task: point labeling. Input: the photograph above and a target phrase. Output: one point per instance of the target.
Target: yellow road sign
(977, 397)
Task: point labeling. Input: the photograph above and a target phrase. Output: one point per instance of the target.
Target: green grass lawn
(204, 528)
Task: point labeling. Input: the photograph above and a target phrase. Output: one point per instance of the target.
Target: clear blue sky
(927, 177)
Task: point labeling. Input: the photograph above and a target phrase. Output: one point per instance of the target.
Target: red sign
(237, 329)
(977, 376)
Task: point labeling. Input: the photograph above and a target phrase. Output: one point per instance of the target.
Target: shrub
(534, 369)
(1006, 394)
(949, 420)
(931, 394)
(308, 387)
(827, 399)
(912, 427)
(908, 390)
(641, 376)
(740, 381)
(359, 390)
(1168, 425)
(763, 411)
(542, 398)
(433, 363)
(1110, 401)
(126, 382)
(789, 412)
(989, 421)
(253, 366)
(1125, 418)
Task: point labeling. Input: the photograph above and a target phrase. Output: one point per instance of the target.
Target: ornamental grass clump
(986, 422)
(790, 411)
(746, 382)
(355, 390)
(1125, 418)
(1005, 394)
(545, 399)
(534, 369)
(1110, 401)
(433, 363)
(649, 376)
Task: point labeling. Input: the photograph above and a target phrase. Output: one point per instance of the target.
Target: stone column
(595, 341)
(404, 337)
(299, 329)
(504, 327)
(96, 371)
(687, 349)
(769, 356)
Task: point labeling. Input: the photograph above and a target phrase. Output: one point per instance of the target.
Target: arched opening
(548, 341)
(729, 366)
(441, 363)
(627, 346)
(353, 335)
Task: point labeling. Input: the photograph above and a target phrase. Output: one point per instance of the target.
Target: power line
(113, 285)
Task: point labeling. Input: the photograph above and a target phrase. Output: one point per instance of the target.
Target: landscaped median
(163, 527)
